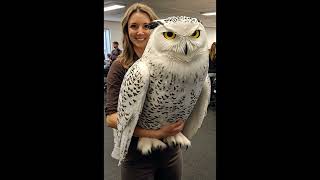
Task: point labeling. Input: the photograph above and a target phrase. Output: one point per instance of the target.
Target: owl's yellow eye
(196, 34)
(169, 35)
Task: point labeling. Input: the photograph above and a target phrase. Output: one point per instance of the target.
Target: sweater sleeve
(114, 80)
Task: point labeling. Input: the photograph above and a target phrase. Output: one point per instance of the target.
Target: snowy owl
(169, 82)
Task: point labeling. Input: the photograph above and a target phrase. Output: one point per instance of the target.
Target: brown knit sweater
(114, 80)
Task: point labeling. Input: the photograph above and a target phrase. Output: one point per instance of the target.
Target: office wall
(211, 34)
(116, 34)
(115, 31)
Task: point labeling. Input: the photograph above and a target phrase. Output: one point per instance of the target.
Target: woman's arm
(165, 131)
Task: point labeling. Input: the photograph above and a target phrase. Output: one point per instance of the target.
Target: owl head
(180, 38)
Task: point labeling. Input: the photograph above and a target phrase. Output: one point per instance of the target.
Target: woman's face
(138, 32)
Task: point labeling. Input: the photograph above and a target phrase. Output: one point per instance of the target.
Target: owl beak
(186, 50)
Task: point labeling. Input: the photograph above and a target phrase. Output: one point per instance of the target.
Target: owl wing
(193, 123)
(131, 100)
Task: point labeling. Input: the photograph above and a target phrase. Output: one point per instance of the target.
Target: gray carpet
(199, 161)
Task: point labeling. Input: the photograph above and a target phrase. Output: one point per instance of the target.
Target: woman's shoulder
(117, 66)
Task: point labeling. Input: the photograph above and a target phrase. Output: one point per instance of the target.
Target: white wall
(116, 33)
(211, 34)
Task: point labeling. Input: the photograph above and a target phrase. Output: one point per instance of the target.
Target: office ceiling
(166, 8)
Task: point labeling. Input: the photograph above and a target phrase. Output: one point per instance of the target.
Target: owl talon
(178, 139)
(147, 145)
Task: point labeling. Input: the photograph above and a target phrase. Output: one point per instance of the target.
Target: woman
(165, 164)
(212, 73)
(212, 58)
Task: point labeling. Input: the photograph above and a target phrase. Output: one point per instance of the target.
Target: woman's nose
(141, 30)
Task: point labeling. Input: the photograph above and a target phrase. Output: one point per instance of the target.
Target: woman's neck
(138, 51)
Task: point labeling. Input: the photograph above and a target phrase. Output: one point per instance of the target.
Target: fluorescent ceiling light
(109, 8)
(209, 14)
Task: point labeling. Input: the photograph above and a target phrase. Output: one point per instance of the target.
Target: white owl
(167, 83)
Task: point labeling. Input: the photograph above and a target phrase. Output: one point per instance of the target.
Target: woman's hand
(170, 129)
(111, 120)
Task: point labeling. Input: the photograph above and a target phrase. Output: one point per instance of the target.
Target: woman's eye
(169, 35)
(133, 26)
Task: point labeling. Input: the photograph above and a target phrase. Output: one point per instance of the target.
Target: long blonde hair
(127, 57)
(212, 53)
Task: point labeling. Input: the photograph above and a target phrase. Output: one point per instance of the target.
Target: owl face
(182, 38)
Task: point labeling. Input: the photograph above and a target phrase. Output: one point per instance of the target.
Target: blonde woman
(212, 58)
(161, 164)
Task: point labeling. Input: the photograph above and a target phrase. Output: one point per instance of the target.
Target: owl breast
(169, 97)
